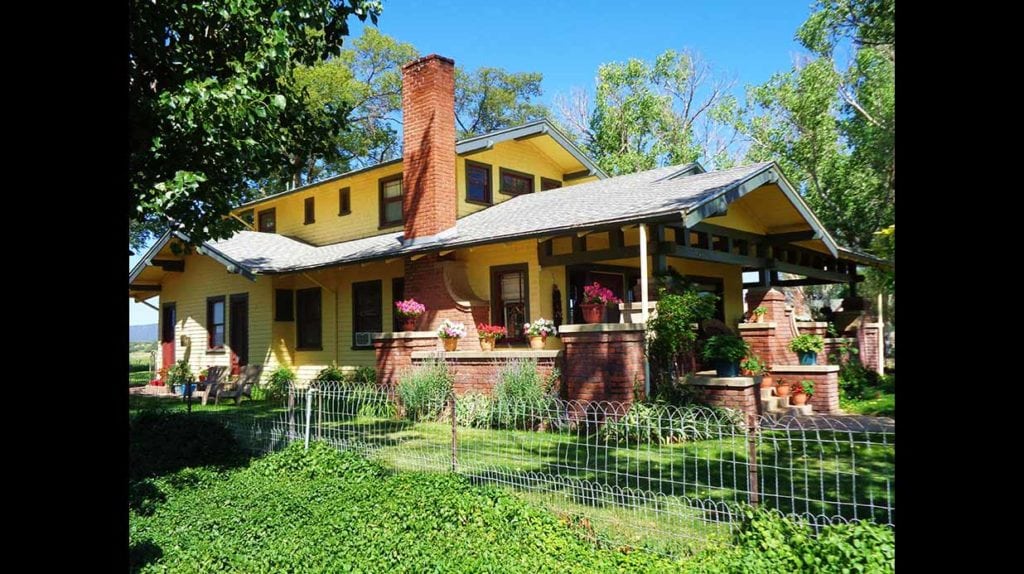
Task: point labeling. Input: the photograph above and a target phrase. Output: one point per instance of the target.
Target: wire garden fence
(659, 477)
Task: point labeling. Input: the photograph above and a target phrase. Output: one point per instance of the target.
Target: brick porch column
(603, 360)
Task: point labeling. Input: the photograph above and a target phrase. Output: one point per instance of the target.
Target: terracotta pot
(767, 382)
(592, 312)
(486, 344)
(782, 390)
(537, 342)
(409, 324)
(799, 399)
(451, 343)
(759, 318)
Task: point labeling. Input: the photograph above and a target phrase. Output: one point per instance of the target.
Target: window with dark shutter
(284, 305)
(268, 220)
(344, 201)
(308, 319)
(546, 184)
(310, 211)
(366, 313)
(215, 322)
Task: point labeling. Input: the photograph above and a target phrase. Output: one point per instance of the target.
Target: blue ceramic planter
(727, 369)
(808, 358)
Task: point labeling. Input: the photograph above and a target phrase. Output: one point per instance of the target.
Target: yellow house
(503, 228)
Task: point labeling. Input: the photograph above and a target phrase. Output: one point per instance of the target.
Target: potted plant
(450, 332)
(759, 314)
(179, 377)
(538, 332)
(782, 390)
(807, 348)
(753, 366)
(489, 334)
(595, 298)
(408, 311)
(803, 391)
(726, 351)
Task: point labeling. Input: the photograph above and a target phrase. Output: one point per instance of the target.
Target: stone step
(802, 410)
(770, 403)
(767, 394)
(783, 401)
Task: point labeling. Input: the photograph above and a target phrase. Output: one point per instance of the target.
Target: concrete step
(770, 403)
(767, 394)
(802, 410)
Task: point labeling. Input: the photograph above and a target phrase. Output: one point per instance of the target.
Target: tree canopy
(214, 102)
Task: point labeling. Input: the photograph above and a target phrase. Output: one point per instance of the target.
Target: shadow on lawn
(142, 554)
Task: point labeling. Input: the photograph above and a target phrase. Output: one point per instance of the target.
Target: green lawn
(660, 496)
(883, 406)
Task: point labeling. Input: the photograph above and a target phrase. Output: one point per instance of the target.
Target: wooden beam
(717, 256)
(811, 272)
(577, 257)
(798, 282)
(579, 244)
(545, 249)
(582, 233)
(143, 287)
(576, 175)
(175, 265)
(445, 252)
(793, 236)
(616, 238)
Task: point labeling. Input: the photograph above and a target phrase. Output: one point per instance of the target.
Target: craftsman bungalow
(503, 228)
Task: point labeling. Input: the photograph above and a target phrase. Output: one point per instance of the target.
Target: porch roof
(676, 193)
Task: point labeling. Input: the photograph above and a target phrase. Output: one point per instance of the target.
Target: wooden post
(643, 301)
(752, 458)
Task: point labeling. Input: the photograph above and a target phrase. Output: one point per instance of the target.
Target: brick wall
(826, 385)
(480, 375)
(867, 342)
(394, 354)
(601, 364)
(429, 202)
(746, 399)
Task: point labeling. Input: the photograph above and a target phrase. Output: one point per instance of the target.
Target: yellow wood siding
(522, 156)
(203, 277)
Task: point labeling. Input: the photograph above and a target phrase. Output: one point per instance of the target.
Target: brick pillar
(424, 281)
(867, 341)
(602, 361)
(825, 400)
(429, 197)
(776, 348)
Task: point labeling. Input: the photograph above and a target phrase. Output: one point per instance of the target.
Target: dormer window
(515, 182)
(268, 221)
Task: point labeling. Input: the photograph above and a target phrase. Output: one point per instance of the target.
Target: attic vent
(363, 340)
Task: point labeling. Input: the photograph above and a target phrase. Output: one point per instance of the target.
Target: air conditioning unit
(363, 340)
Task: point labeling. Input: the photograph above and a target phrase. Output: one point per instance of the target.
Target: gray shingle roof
(634, 197)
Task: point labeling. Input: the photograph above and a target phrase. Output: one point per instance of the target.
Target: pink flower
(409, 309)
(599, 295)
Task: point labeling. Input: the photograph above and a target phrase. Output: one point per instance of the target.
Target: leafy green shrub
(138, 367)
(364, 377)
(330, 374)
(521, 397)
(728, 348)
(660, 423)
(475, 410)
(671, 336)
(768, 543)
(163, 442)
(278, 383)
(859, 382)
(330, 511)
(424, 389)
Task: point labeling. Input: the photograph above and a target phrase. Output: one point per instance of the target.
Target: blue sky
(567, 40)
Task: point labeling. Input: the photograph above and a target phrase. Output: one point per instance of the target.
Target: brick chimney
(429, 203)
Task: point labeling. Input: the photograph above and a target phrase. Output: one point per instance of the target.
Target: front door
(238, 336)
(167, 321)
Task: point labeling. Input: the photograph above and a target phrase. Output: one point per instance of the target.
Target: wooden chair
(214, 378)
(249, 376)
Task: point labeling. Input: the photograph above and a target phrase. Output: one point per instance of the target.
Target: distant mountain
(141, 333)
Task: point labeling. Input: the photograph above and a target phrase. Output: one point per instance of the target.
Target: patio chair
(214, 376)
(249, 376)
